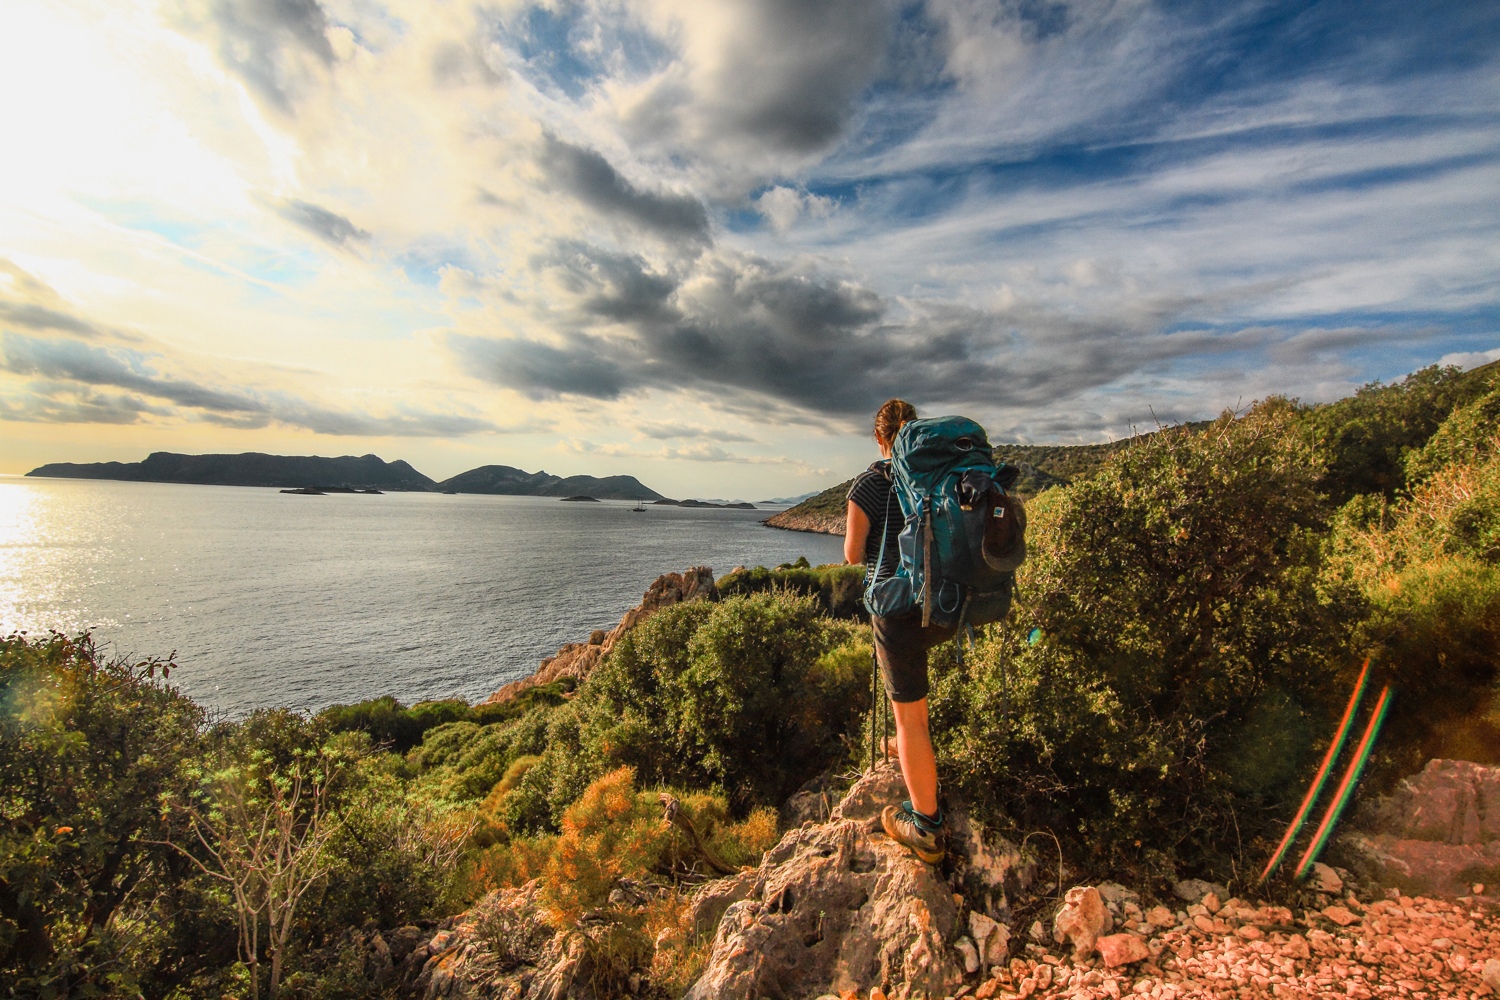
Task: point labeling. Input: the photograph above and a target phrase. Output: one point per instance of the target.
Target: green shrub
(92, 898)
(735, 694)
(1364, 438)
(1187, 652)
(1469, 435)
(836, 587)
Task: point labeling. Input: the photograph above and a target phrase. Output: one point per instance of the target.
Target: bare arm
(855, 533)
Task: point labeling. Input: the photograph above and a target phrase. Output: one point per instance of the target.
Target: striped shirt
(873, 494)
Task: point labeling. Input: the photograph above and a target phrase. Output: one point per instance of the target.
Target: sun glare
(86, 119)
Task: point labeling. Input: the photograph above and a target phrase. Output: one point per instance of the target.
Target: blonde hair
(889, 418)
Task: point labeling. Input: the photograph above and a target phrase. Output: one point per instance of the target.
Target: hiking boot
(907, 827)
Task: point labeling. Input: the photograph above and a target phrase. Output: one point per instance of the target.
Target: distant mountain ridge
(362, 472)
(250, 469)
(503, 480)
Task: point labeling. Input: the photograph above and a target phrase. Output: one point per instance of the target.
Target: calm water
(271, 599)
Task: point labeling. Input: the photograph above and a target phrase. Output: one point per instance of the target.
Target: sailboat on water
(639, 508)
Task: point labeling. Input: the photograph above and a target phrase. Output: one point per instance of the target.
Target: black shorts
(901, 645)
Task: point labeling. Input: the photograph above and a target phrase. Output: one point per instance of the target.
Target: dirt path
(1419, 948)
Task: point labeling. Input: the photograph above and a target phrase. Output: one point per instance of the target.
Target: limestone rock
(1080, 920)
(1194, 889)
(968, 953)
(1491, 974)
(711, 899)
(835, 908)
(1122, 949)
(1433, 835)
(991, 937)
(1325, 879)
(879, 787)
(990, 868)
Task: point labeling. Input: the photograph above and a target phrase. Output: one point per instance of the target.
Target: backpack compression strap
(927, 564)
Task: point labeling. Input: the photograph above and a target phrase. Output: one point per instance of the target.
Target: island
(579, 499)
(344, 474)
(504, 480)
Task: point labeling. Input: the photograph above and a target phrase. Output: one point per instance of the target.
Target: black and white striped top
(873, 493)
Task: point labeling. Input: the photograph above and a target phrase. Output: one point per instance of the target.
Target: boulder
(1080, 921)
(835, 908)
(1436, 834)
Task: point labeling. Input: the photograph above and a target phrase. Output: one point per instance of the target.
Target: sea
(278, 600)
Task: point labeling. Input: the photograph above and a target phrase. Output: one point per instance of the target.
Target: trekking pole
(874, 698)
(885, 729)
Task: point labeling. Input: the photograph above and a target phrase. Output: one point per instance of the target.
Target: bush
(837, 588)
(1364, 438)
(741, 694)
(395, 727)
(613, 832)
(1429, 564)
(92, 900)
(1187, 651)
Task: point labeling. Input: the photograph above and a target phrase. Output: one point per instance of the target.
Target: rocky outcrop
(839, 906)
(1437, 834)
(576, 660)
(823, 514)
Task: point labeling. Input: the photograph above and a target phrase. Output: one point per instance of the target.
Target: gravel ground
(1401, 947)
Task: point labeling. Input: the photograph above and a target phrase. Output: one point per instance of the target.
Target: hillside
(250, 469)
(503, 480)
(1042, 467)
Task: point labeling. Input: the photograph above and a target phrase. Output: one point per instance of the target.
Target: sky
(700, 241)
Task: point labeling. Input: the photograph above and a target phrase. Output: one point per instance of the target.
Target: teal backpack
(964, 532)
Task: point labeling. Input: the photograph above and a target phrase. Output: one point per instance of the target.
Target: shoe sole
(931, 857)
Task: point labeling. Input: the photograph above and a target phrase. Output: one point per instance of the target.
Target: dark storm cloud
(70, 371)
(322, 223)
(793, 86)
(586, 366)
(261, 40)
(739, 327)
(591, 179)
(778, 76)
(610, 285)
(36, 317)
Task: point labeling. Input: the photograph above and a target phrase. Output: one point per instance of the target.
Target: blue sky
(701, 242)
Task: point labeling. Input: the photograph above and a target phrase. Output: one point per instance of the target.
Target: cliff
(250, 469)
(504, 480)
(823, 514)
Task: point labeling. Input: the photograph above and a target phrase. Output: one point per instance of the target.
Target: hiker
(901, 643)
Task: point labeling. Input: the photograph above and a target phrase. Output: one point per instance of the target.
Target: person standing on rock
(901, 644)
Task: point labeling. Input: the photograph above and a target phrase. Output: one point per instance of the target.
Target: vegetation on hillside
(1191, 617)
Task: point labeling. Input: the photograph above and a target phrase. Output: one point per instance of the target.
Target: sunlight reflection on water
(307, 601)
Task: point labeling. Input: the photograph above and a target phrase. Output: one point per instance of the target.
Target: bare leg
(914, 747)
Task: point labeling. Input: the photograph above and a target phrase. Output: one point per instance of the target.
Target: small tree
(265, 834)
